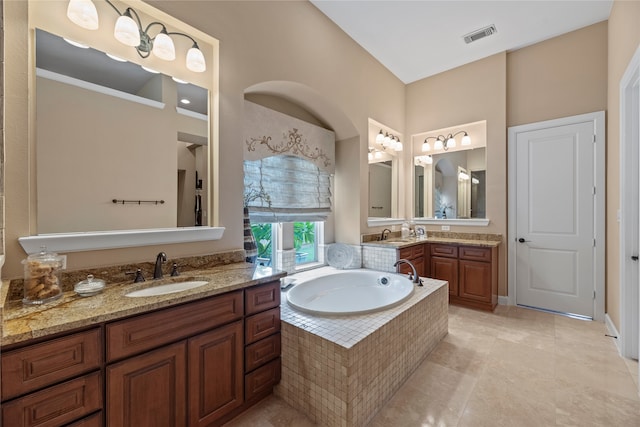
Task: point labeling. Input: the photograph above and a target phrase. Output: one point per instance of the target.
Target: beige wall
(561, 77)
(466, 94)
(623, 40)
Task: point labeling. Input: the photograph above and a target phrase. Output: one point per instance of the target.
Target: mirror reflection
(385, 146)
(450, 175)
(110, 131)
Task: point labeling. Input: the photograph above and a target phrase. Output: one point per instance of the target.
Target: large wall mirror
(450, 173)
(119, 149)
(109, 130)
(383, 156)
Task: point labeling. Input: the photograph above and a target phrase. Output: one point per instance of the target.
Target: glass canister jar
(41, 282)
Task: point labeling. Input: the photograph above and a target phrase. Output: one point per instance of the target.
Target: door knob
(521, 240)
(634, 257)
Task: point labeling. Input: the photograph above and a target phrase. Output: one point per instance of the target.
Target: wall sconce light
(445, 142)
(131, 33)
(389, 141)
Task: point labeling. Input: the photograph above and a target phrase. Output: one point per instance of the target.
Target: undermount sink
(169, 288)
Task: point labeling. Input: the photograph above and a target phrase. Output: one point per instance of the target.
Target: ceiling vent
(480, 34)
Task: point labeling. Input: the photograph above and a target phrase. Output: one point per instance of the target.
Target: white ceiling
(420, 38)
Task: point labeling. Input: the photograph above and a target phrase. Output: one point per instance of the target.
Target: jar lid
(43, 256)
(90, 286)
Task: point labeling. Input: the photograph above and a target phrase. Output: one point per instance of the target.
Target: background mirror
(108, 130)
(383, 172)
(451, 183)
(456, 186)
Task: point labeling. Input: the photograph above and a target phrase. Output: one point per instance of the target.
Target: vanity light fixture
(397, 145)
(445, 142)
(463, 176)
(131, 33)
(380, 137)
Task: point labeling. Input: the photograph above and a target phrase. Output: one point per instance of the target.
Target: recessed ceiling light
(185, 101)
(115, 58)
(150, 70)
(76, 44)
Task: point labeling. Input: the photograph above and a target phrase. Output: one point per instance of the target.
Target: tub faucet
(160, 259)
(415, 278)
(384, 236)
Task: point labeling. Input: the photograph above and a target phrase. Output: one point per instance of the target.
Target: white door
(555, 232)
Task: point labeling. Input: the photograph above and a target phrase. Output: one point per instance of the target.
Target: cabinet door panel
(475, 280)
(55, 406)
(148, 390)
(94, 420)
(215, 374)
(260, 298)
(39, 365)
(446, 269)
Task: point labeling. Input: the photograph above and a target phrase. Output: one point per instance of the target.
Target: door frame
(598, 120)
(629, 296)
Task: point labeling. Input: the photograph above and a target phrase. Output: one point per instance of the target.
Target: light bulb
(426, 146)
(378, 154)
(386, 141)
(398, 146)
(466, 140)
(451, 142)
(379, 137)
(126, 31)
(83, 13)
(438, 145)
(428, 160)
(195, 60)
(163, 47)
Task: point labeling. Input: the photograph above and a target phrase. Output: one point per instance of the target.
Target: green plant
(262, 234)
(303, 233)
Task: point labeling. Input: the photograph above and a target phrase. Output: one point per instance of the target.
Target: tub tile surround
(21, 322)
(341, 370)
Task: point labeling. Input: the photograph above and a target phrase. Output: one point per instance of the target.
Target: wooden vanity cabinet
(54, 382)
(262, 341)
(472, 273)
(444, 265)
(196, 364)
(202, 372)
(415, 254)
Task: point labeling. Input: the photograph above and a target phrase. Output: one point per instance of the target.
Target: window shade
(299, 191)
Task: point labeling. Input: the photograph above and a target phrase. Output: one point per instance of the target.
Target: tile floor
(515, 367)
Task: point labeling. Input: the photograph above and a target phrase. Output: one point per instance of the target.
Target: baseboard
(502, 300)
(611, 330)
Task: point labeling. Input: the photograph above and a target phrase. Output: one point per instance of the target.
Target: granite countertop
(71, 311)
(467, 239)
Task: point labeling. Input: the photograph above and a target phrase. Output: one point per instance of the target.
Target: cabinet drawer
(475, 253)
(57, 405)
(132, 336)
(261, 352)
(448, 251)
(261, 325)
(262, 380)
(36, 366)
(412, 252)
(260, 298)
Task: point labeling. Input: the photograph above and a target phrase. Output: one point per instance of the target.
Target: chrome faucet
(382, 235)
(415, 278)
(160, 259)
